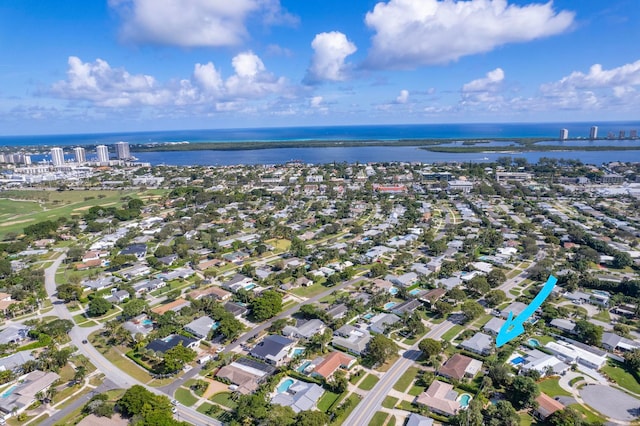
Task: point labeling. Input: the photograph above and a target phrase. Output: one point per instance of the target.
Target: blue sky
(123, 65)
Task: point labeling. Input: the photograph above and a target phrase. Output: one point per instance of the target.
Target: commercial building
(57, 156)
(103, 153)
(79, 154)
(122, 150)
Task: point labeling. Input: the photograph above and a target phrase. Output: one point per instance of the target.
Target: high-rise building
(633, 134)
(621, 134)
(57, 156)
(564, 134)
(103, 153)
(122, 150)
(26, 159)
(593, 134)
(79, 154)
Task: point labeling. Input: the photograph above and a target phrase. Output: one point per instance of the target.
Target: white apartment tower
(593, 134)
(79, 154)
(564, 134)
(103, 153)
(57, 156)
(122, 150)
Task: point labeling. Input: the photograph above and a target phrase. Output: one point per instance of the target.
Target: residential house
(612, 342)
(578, 353)
(213, 291)
(440, 398)
(117, 296)
(406, 307)
(141, 324)
(563, 324)
(171, 341)
(201, 327)
(136, 271)
(337, 311)
(546, 406)
(300, 396)
(137, 250)
(354, 340)
(174, 306)
(404, 280)
(493, 326)
(246, 373)
(168, 260)
(235, 257)
(304, 330)
(380, 285)
(23, 395)
(235, 309)
(14, 333)
(421, 269)
(273, 349)
(516, 308)
(332, 363)
(15, 361)
(418, 420)
(147, 286)
(101, 283)
(432, 296)
(479, 343)
(382, 321)
(238, 282)
(182, 273)
(542, 363)
(460, 366)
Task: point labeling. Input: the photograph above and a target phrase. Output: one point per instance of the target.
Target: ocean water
(381, 132)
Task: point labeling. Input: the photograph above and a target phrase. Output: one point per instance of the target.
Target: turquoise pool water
(464, 400)
(415, 291)
(389, 305)
(8, 392)
(298, 351)
(368, 316)
(303, 366)
(284, 386)
(534, 343)
(147, 322)
(518, 360)
(250, 286)
(215, 325)
(393, 290)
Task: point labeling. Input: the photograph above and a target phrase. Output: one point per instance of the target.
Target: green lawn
(589, 415)
(453, 332)
(552, 388)
(126, 365)
(405, 380)
(379, 419)
(224, 398)
(368, 382)
(389, 402)
(208, 409)
(621, 376)
(544, 339)
(603, 315)
(310, 291)
(327, 400)
(416, 390)
(185, 397)
(355, 400)
(526, 419)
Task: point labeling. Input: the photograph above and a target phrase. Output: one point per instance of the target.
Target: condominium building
(564, 134)
(122, 150)
(57, 156)
(79, 154)
(103, 153)
(593, 134)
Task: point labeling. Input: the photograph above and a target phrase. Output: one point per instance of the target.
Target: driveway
(611, 402)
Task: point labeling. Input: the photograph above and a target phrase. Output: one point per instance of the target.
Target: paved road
(364, 411)
(287, 314)
(59, 415)
(118, 377)
(512, 282)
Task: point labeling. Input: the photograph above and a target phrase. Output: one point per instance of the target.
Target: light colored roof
(437, 397)
(494, 325)
(175, 305)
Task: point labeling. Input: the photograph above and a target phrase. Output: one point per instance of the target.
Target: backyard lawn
(327, 400)
(552, 388)
(224, 399)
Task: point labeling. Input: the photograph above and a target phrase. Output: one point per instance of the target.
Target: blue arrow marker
(514, 326)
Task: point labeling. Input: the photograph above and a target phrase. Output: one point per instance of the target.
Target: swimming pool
(534, 343)
(415, 291)
(8, 392)
(464, 400)
(303, 366)
(285, 385)
(389, 305)
(249, 287)
(147, 322)
(368, 316)
(393, 290)
(297, 351)
(215, 325)
(517, 360)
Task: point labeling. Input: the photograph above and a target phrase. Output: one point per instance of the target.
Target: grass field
(368, 383)
(327, 400)
(389, 402)
(185, 397)
(405, 380)
(38, 206)
(603, 316)
(589, 415)
(552, 388)
(453, 332)
(379, 419)
(621, 376)
(355, 400)
(224, 399)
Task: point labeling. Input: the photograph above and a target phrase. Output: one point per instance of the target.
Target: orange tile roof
(169, 306)
(331, 363)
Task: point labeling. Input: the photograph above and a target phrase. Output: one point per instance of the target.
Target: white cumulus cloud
(411, 33)
(403, 97)
(192, 23)
(490, 82)
(101, 85)
(328, 61)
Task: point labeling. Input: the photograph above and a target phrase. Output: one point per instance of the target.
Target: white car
(174, 410)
